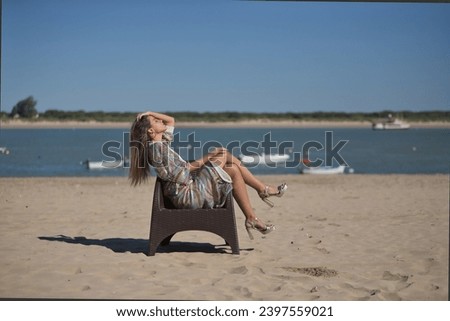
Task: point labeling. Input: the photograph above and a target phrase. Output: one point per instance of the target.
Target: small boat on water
(323, 170)
(389, 123)
(263, 159)
(4, 150)
(94, 165)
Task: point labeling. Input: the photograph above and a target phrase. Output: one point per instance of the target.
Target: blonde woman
(203, 183)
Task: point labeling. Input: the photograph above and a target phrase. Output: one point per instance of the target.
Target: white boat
(263, 159)
(93, 165)
(389, 123)
(4, 150)
(323, 170)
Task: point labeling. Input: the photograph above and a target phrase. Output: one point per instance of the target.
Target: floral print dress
(206, 187)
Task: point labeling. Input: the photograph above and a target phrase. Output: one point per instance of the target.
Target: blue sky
(122, 55)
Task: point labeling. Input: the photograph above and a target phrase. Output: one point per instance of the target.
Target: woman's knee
(226, 159)
(230, 158)
(232, 170)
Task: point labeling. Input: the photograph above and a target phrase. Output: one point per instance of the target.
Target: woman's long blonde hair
(139, 145)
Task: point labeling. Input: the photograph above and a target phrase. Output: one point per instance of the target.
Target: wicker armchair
(167, 220)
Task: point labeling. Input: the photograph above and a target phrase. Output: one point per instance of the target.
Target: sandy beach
(353, 237)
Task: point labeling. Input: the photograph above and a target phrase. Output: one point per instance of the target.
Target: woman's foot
(272, 191)
(255, 224)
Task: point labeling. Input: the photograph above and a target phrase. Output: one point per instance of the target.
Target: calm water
(60, 152)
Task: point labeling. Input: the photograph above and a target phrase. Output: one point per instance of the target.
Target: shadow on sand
(140, 246)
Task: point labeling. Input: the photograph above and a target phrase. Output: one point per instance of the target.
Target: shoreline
(20, 124)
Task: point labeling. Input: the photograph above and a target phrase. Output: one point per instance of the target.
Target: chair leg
(233, 244)
(155, 243)
(166, 241)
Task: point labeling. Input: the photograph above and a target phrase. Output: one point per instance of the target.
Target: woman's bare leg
(240, 178)
(226, 159)
(241, 196)
(240, 192)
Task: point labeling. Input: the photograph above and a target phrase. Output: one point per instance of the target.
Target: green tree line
(26, 109)
(101, 116)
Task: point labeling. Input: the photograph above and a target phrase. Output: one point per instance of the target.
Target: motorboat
(97, 165)
(389, 123)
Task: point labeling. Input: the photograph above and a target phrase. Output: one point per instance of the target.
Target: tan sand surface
(351, 237)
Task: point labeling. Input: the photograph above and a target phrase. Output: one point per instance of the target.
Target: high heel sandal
(249, 225)
(265, 194)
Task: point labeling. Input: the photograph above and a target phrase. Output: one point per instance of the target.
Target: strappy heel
(265, 194)
(251, 225)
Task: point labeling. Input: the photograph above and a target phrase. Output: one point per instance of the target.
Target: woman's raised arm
(168, 120)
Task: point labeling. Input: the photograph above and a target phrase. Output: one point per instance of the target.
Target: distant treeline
(81, 115)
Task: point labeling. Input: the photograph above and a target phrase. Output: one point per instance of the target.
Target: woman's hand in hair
(140, 115)
(168, 120)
